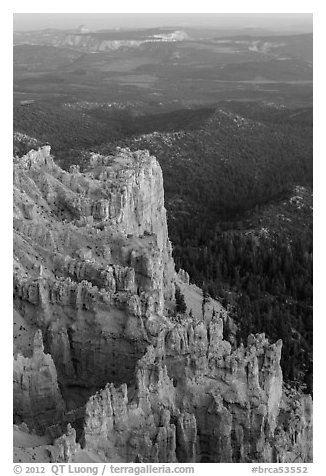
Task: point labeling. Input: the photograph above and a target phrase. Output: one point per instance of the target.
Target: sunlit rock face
(93, 265)
(86, 41)
(97, 340)
(224, 405)
(37, 398)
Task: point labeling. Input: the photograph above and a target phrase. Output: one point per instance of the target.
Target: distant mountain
(102, 40)
(281, 46)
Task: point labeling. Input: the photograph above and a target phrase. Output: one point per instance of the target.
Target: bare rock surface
(93, 267)
(105, 369)
(65, 447)
(216, 404)
(37, 398)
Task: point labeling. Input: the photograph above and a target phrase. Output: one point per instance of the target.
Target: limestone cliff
(219, 405)
(37, 398)
(93, 266)
(92, 42)
(65, 447)
(94, 279)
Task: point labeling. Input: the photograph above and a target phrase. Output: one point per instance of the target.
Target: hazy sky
(274, 21)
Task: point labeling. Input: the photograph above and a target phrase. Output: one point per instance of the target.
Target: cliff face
(93, 266)
(89, 42)
(93, 271)
(37, 398)
(218, 405)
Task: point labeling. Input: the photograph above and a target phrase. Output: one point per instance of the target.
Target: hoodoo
(104, 365)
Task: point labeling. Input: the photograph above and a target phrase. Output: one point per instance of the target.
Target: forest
(230, 175)
(239, 200)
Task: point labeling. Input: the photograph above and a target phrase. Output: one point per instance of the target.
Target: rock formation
(101, 239)
(92, 42)
(37, 398)
(218, 405)
(65, 447)
(94, 278)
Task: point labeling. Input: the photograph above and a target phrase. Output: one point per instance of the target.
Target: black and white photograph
(162, 240)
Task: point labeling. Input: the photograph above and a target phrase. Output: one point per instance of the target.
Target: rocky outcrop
(138, 426)
(65, 447)
(183, 276)
(91, 42)
(224, 405)
(37, 158)
(123, 195)
(186, 438)
(294, 433)
(37, 398)
(112, 278)
(93, 264)
(93, 270)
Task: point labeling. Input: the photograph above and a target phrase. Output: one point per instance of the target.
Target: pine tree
(181, 306)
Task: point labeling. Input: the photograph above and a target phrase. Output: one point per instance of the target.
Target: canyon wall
(37, 398)
(94, 42)
(92, 261)
(218, 405)
(98, 343)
